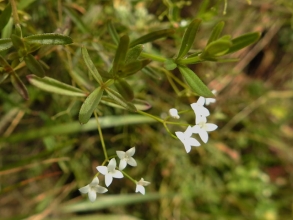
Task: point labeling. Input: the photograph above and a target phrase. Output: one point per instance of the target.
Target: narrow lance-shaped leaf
(243, 41)
(120, 53)
(89, 105)
(133, 53)
(195, 82)
(188, 38)
(5, 44)
(33, 65)
(216, 32)
(130, 68)
(77, 20)
(152, 36)
(19, 85)
(120, 100)
(5, 16)
(49, 39)
(90, 65)
(113, 32)
(216, 48)
(54, 86)
(124, 89)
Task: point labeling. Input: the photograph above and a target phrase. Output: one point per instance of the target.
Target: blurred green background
(245, 171)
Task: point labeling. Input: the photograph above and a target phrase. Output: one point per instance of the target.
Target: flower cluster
(201, 126)
(111, 172)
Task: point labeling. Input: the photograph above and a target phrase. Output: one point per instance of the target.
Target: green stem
(125, 174)
(153, 57)
(101, 136)
(191, 60)
(14, 12)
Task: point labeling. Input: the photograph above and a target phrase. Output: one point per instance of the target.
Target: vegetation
(83, 80)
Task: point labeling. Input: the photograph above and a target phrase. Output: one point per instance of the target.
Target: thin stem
(101, 136)
(14, 12)
(153, 57)
(151, 116)
(125, 174)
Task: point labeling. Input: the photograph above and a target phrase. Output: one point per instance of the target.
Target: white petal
(200, 119)
(188, 132)
(204, 135)
(195, 129)
(112, 165)
(100, 189)
(201, 101)
(210, 127)
(84, 189)
(117, 174)
(193, 142)
(122, 164)
(187, 147)
(108, 179)
(131, 151)
(210, 100)
(102, 169)
(131, 161)
(120, 154)
(140, 188)
(180, 135)
(95, 181)
(92, 195)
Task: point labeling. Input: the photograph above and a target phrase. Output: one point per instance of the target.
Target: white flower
(199, 109)
(202, 129)
(93, 188)
(174, 113)
(140, 186)
(186, 139)
(126, 158)
(110, 172)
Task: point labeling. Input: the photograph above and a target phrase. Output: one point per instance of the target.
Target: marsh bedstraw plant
(112, 88)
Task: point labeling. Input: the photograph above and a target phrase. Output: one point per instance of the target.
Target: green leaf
(216, 32)
(75, 127)
(89, 105)
(195, 82)
(243, 41)
(188, 38)
(113, 33)
(133, 53)
(170, 64)
(33, 65)
(216, 48)
(124, 89)
(19, 85)
(49, 39)
(130, 68)
(120, 100)
(76, 18)
(5, 16)
(54, 86)
(152, 36)
(90, 65)
(120, 54)
(150, 71)
(18, 43)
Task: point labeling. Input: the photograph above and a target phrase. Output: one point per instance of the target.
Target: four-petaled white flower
(173, 112)
(110, 172)
(93, 188)
(126, 158)
(140, 186)
(199, 109)
(186, 139)
(202, 129)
